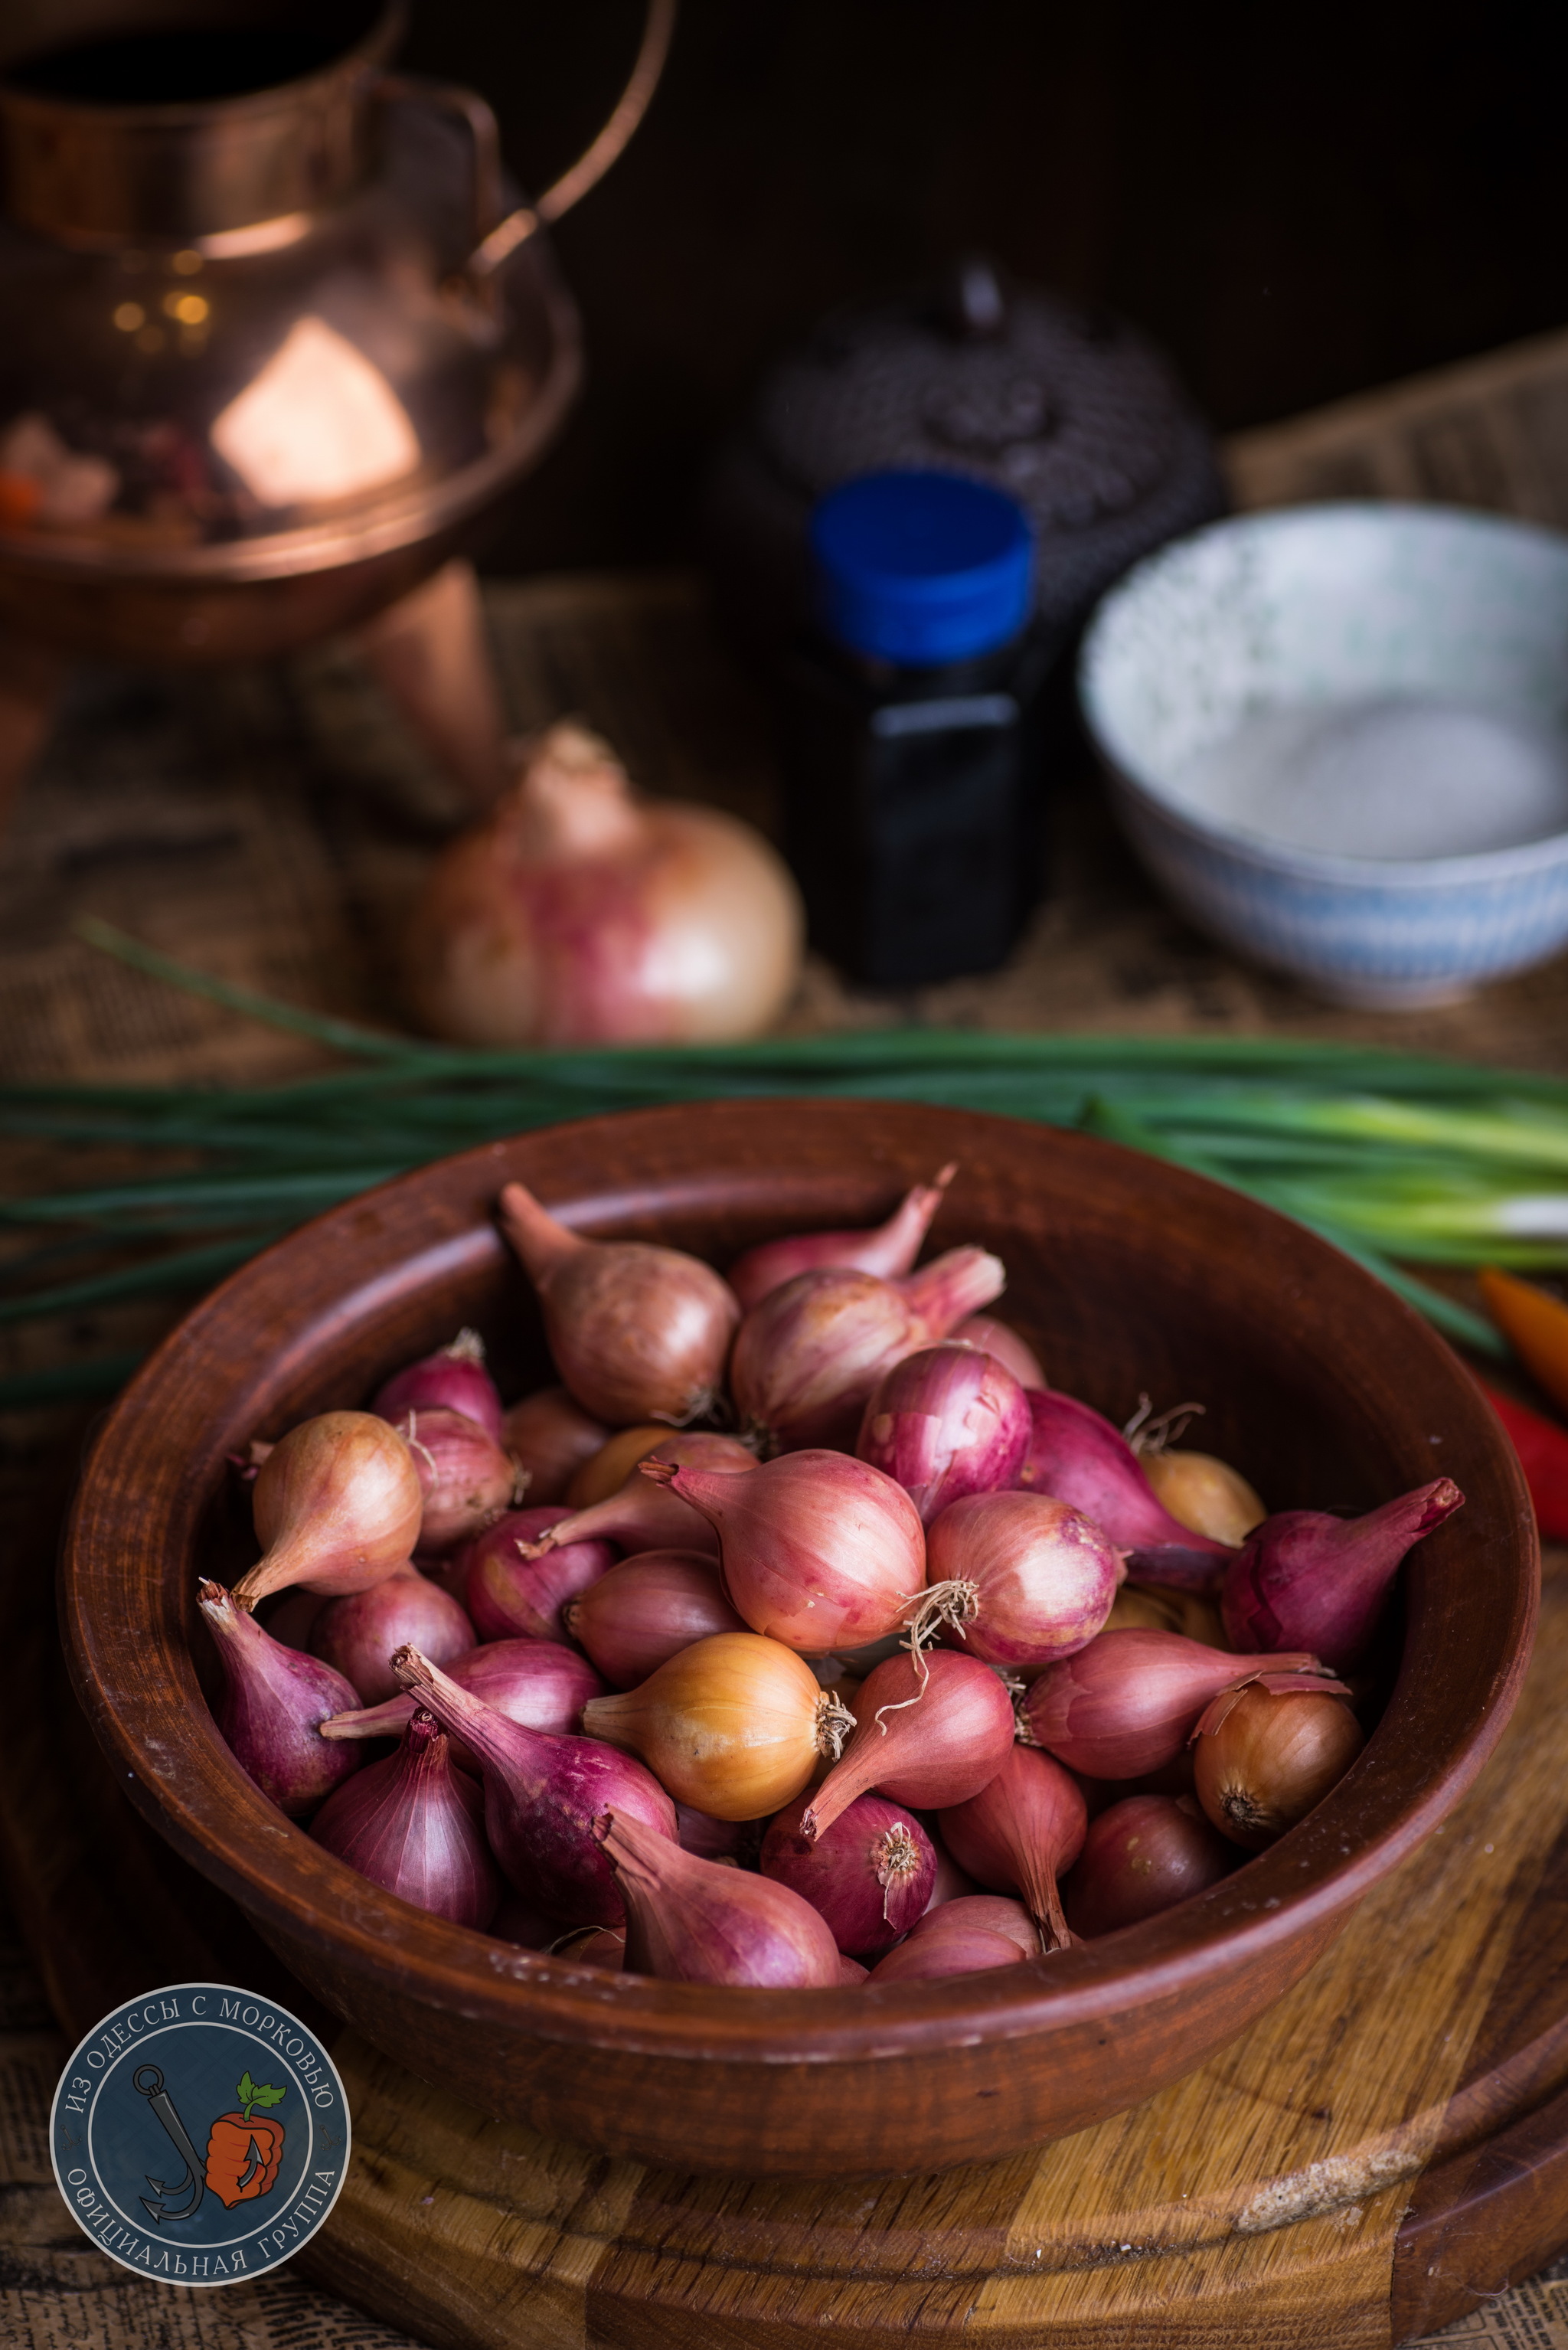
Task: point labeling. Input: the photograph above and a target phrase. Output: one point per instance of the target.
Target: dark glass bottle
(914, 724)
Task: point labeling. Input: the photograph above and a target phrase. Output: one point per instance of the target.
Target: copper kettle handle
(504, 239)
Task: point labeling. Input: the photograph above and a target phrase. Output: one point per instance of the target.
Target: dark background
(1298, 201)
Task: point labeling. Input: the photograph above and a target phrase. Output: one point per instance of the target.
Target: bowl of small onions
(800, 1637)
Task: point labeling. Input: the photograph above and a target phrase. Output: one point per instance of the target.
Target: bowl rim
(1413, 875)
(159, 1738)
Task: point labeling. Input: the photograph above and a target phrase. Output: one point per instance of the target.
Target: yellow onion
(578, 913)
(605, 1471)
(1268, 1753)
(1161, 1607)
(1204, 1494)
(732, 1726)
(636, 1331)
(336, 1504)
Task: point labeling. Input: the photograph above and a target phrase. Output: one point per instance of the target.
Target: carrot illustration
(244, 2153)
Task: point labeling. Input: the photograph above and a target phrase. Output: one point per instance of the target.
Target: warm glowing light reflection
(318, 421)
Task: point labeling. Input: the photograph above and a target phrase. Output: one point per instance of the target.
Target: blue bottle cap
(921, 569)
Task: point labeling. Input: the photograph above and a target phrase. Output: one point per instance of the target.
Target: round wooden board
(1388, 2145)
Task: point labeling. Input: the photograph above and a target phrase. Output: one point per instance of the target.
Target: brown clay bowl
(1129, 1277)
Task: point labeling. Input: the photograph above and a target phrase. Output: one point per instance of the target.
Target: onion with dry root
(928, 1732)
(871, 1874)
(636, 1331)
(579, 914)
(691, 1921)
(336, 1504)
(1018, 1579)
(1267, 1755)
(733, 1725)
(889, 1249)
(1075, 1455)
(808, 1355)
(817, 1549)
(465, 1477)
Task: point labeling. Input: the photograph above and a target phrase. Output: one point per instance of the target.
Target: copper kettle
(272, 335)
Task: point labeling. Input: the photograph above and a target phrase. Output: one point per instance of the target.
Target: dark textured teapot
(273, 332)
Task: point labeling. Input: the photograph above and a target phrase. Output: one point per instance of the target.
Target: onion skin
(1307, 1579)
(889, 1249)
(535, 1683)
(1267, 1755)
(1126, 1704)
(1140, 1856)
(945, 1422)
(541, 1796)
(1204, 1494)
(817, 1550)
(643, 1513)
(952, 1734)
(1020, 1579)
(1002, 1340)
(576, 913)
(465, 1477)
(274, 1701)
(807, 1358)
(968, 1936)
(1022, 1831)
(732, 1725)
(592, 1946)
(636, 1331)
(454, 1376)
(1075, 1455)
(512, 1594)
(690, 1921)
(637, 1616)
(337, 1506)
(412, 1825)
(871, 1874)
(550, 1436)
(357, 1635)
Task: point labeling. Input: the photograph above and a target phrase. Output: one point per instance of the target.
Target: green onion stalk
(1399, 1160)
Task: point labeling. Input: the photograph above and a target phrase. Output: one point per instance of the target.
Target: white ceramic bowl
(1434, 644)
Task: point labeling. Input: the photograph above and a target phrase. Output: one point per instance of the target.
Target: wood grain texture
(1130, 1276)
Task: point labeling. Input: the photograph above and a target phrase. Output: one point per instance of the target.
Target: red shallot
(808, 1355)
(536, 1682)
(1022, 1831)
(1076, 1456)
(637, 1616)
(636, 1331)
(644, 1515)
(275, 1702)
(577, 912)
(356, 1634)
(1140, 1856)
(947, 1421)
(1308, 1580)
(817, 1549)
(690, 1921)
(712, 1839)
(889, 1249)
(929, 1732)
(454, 1376)
(1020, 1580)
(1126, 1703)
(968, 1936)
(336, 1504)
(465, 1477)
(541, 1796)
(550, 1436)
(733, 1725)
(412, 1824)
(1268, 1754)
(1000, 1338)
(871, 1874)
(510, 1590)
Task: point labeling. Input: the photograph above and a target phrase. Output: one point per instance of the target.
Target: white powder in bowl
(1385, 778)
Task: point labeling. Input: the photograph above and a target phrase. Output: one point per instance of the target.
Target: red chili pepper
(1542, 1449)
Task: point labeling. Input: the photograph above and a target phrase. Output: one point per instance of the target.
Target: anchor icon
(148, 2081)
